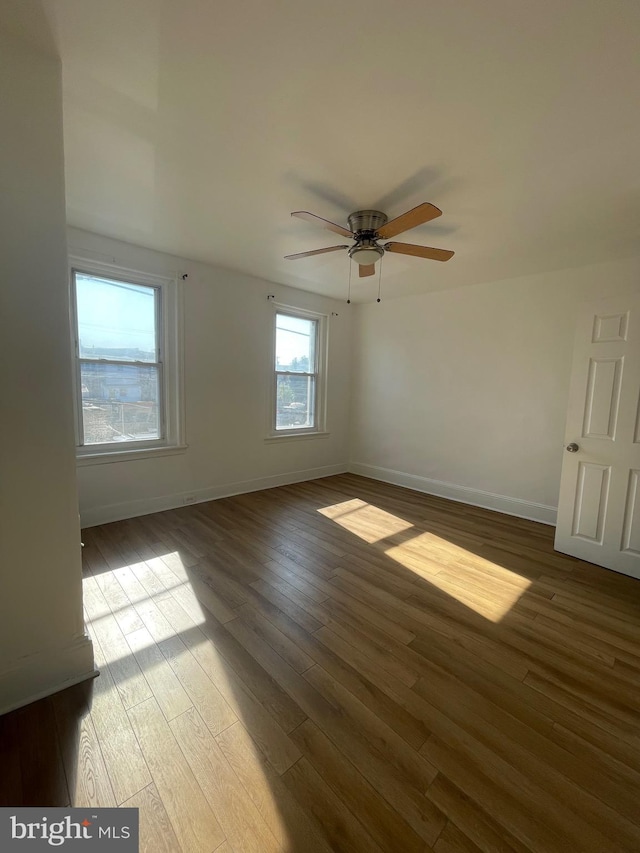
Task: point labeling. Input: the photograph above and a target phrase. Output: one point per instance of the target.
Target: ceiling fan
(368, 228)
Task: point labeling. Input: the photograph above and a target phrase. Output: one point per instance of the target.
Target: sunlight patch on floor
(485, 587)
(117, 603)
(488, 588)
(368, 522)
(150, 634)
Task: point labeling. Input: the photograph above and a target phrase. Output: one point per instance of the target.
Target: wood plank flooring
(343, 665)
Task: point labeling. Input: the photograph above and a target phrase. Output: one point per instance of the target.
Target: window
(298, 394)
(126, 363)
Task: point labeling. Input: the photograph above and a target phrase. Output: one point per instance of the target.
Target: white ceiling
(195, 127)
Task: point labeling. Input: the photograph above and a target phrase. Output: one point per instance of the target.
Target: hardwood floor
(343, 665)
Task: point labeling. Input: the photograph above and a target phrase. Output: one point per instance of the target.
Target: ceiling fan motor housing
(365, 224)
(366, 220)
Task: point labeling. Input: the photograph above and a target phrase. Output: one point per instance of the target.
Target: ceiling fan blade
(419, 251)
(367, 269)
(324, 223)
(424, 212)
(314, 252)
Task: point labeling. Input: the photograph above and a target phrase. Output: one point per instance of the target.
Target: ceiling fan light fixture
(366, 255)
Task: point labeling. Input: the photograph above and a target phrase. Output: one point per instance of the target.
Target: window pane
(119, 403)
(295, 405)
(116, 320)
(295, 343)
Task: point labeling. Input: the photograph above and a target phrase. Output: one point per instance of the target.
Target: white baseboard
(36, 676)
(131, 509)
(462, 494)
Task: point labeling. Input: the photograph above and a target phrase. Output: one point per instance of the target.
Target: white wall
(464, 392)
(42, 642)
(227, 334)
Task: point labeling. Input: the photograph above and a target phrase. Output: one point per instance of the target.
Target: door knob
(573, 447)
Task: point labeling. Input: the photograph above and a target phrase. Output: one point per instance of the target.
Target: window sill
(105, 456)
(296, 436)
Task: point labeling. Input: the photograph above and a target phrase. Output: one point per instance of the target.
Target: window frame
(168, 310)
(320, 390)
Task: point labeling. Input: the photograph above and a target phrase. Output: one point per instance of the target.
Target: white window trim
(320, 430)
(172, 373)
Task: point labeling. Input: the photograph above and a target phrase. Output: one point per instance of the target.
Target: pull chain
(380, 278)
(349, 290)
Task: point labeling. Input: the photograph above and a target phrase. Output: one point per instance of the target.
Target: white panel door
(599, 507)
